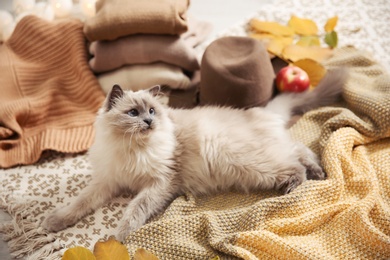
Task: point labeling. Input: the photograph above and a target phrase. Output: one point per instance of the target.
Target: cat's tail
(327, 92)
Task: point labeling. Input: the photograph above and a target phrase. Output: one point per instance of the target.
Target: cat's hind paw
(290, 184)
(126, 228)
(315, 172)
(289, 181)
(122, 235)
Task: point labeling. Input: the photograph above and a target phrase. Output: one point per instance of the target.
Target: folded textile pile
(139, 44)
(49, 96)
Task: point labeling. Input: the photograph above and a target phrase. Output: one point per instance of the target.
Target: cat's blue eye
(151, 111)
(133, 112)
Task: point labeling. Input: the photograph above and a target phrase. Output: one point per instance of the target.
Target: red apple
(292, 79)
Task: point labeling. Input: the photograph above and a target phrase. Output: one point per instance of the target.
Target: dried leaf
(303, 26)
(276, 45)
(331, 24)
(110, 250)
(314, 70)
(262, 36)
(271, 27)
(296, 52)
(331, 39)
(78, 253)
(142, 254)
(309, 41)
(273, 43)
(285, 40)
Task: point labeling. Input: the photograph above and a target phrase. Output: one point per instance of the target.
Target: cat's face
(133, 113)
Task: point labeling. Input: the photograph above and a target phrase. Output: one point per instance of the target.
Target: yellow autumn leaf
(296, 52)
(285, 40)
(262, 36)
(273, 43)
(142, 254)
(276, 45)
(331, 24)
(314, 70)
(309, 41)
(110, 250)
(271, 27)
(78, 253)
(303, 26)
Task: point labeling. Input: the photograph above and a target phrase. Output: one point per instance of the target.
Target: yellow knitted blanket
(346, 216)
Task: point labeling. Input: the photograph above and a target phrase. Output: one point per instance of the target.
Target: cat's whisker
(124, 145)
(140, 140)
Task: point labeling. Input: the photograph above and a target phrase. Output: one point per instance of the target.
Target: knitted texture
(118, 18)
(143, 76)
(142, 49)
(346, 216)
(49, 95)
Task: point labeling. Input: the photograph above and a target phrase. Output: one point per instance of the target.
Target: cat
(158, 153)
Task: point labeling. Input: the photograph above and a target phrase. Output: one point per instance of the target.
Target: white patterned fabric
(30, 192)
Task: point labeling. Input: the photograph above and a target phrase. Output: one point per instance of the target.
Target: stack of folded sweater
(138, 44)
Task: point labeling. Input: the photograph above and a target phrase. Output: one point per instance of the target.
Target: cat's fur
(160, 155)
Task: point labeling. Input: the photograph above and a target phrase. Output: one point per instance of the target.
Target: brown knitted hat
(237, 72)
(49, 96)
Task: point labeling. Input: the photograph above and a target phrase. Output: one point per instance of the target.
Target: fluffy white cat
(158, 153)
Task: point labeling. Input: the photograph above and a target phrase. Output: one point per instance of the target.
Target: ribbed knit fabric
(48, 94)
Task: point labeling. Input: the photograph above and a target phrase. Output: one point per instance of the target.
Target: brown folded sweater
(48, 94)
(142, 49)
(118, 18)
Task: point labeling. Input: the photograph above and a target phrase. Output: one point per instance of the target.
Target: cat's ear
(155, 90)
(115, 94)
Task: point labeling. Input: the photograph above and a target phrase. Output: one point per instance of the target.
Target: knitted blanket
(346, 216)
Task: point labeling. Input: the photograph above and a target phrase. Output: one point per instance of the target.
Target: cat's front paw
(56, 222)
